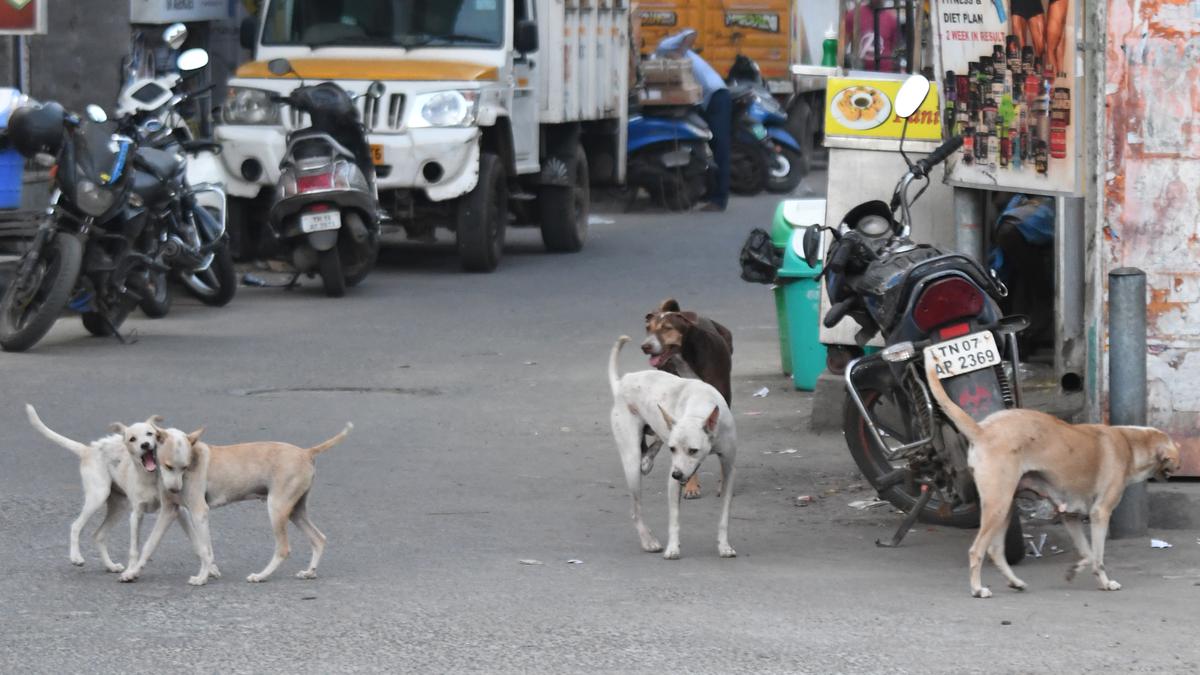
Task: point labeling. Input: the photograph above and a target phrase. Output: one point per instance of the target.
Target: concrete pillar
(1127, 384)
(968, 222)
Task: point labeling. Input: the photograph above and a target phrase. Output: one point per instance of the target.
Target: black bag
(760, 259)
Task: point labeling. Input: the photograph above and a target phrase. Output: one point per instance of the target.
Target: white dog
(695, 420)
(124, 460)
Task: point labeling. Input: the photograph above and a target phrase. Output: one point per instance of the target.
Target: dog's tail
(76, 447)
(966, 424)
(614, 378)
(318, 449)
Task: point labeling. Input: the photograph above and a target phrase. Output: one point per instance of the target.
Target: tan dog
(1082, 468)
(198, 476)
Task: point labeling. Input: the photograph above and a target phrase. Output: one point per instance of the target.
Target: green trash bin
(789, 215)
(802, 302)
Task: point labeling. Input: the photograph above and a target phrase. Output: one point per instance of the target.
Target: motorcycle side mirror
(175, 35)
(96, 114)
(280, 67)
(1013, 323)
(911, 95)
(192, 60)
(811, 242)
(376, 90)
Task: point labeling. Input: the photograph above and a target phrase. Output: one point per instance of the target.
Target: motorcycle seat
(159, 163)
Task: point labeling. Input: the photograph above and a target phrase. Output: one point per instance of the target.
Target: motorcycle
(149, 110)
(326, 210)
(95, 249)
(668, 155)
(759, 113)
(927, 304)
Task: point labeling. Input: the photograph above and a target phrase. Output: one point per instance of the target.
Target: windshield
(402, 23)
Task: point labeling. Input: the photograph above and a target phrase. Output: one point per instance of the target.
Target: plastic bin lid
(794, 266)
(793, 213)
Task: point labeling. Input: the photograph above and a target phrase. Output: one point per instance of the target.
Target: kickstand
(909, 520)
(125, 340)
(292, 282)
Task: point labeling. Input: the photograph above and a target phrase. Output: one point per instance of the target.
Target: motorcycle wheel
(356, 272)
(31, 304)
(786, 171)
(157, 303)
(332, 277)
(893, 420)
(747, 169)
(216, 285)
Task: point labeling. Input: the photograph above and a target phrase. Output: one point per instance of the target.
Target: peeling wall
(1152, 194)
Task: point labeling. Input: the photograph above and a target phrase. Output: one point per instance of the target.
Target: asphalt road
(482, 439)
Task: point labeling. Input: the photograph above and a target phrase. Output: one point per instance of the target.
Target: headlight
(874, 226)
(443, 109)
(249, 106)
(93, 199)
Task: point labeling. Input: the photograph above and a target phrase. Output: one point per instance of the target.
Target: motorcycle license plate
(319, 222)
(376, 154)
(964, 355)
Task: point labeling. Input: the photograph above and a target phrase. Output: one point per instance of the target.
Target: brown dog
(689, 345)
(1082, 468)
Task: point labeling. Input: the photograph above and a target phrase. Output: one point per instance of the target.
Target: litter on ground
(864, 504)
(1159, 543)
(762, 393)
(530, 561)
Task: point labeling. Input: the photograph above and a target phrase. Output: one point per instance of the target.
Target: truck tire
(564, 209)
(483, 217)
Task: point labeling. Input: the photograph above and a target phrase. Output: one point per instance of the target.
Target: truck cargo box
(582, 61)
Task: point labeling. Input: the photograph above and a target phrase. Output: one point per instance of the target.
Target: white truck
(495, 111)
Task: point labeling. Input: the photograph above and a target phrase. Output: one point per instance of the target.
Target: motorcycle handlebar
(923, 166)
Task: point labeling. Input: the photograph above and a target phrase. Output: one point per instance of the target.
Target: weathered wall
(1152, 193)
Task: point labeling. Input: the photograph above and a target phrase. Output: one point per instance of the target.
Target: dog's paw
(256, 578)
(983, 592)
(77, 560)
(647, 464)
(306, 574)
(128, 576)
(213, 571)
(1110, 585)
(198, 580)
(691, 493)
(1077, 568)
(651, 545)
(115, 568)
(726, 551)
(671, 553)
(1017, 585)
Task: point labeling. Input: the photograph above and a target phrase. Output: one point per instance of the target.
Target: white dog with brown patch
(695, 421)
(118, 470)
(198, 476)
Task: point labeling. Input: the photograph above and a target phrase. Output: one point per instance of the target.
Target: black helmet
(37, 128)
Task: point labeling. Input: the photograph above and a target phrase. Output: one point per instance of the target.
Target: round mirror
(375, 90)
(911, 95)
(812, 245)
(96, 114)
(175, 35)
(279, 67)
(192, 59)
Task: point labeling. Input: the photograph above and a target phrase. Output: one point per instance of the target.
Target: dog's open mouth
(659, 360)
(148, 461)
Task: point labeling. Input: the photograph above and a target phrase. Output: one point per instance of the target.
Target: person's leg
(1019, 25)
(1037, 34)
(1056, 21)
(719, 115)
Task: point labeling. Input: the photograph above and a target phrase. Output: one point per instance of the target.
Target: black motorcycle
(95, 251)
(927, 304)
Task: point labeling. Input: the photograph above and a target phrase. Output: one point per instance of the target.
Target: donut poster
(1010, 78)
(863, 108)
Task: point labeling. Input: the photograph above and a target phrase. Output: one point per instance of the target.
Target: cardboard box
(689, 94)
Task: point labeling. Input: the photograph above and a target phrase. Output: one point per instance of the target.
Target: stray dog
(695, 421)
(1082, 468)
(117, 470)
(198, 476)
(689, 345)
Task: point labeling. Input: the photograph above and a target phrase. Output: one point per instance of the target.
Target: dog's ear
(650, 316)
(710, 424)
(194, 437)
(117, 428)
(669, 305)
(690, 319)
(666, 418)
(154, 420)
(160, 435)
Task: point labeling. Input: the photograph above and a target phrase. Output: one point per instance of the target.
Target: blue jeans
(719, 115)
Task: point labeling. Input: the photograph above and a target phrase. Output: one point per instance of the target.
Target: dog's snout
(647, 348)
(677, 475)
(146, 445)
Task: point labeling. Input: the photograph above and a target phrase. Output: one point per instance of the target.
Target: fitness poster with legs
(1011, 86)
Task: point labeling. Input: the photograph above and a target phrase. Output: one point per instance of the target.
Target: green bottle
(829, 48)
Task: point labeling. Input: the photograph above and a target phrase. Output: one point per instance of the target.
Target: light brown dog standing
(1082, 468)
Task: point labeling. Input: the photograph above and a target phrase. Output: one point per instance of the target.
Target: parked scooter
(326, 211)
(668, 155)
(149, 110)
(926, 304)
(762, 122)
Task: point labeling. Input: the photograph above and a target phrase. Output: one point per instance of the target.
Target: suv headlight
(443, 109)
(249, 106)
